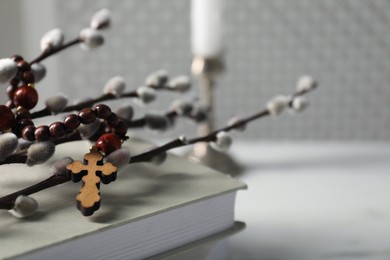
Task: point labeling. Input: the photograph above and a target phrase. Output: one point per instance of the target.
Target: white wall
(10, 31)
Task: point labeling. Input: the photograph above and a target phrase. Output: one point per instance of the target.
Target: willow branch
(147, 156)
(84, 104)
(141, 122)
(7, 202)
(21, 156)
(50, 52)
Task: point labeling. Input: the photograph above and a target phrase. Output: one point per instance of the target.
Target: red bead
(28, 133)
(17, 58)
(87, 116)
(108, 143)
(57, 129)
(7, 118)
(26, 97)
(72, 121)
(121, 128)
(14, 82)
(24, 122)
(42, 133)
(112, 120)
(102, 111)
(22, 113)
(28, 77)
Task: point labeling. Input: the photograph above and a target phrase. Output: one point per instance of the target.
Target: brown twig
(7, 202)
(84, 104)
(21, 156)
(50, 52)
(141, 122)
(147, 156)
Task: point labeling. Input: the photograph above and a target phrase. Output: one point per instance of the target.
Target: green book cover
(140, 191)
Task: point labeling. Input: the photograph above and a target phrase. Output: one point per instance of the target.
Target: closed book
(147, 211)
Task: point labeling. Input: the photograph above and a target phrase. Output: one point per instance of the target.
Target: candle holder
(206, 70)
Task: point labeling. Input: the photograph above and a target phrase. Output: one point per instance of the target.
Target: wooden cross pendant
(92, 172)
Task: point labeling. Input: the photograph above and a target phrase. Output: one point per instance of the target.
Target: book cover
(140, 192)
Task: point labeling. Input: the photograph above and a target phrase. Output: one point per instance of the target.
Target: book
(148, 210)
(212, 247)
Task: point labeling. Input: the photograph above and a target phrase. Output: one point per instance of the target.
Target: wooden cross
(92, 172)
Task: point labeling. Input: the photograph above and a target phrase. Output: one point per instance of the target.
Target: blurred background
(327, 198)
(268, 45)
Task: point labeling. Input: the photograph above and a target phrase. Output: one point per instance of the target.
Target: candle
(206, 28)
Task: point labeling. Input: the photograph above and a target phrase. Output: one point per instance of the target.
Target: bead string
(25, 127)
(25, 95)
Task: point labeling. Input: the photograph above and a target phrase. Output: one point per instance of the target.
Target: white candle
(206, 27)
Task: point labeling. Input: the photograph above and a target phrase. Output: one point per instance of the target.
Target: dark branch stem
(50, 52)
(144, 157)
(84, 104)
(15, 158)
(141, 122)
(147, 156)
(21, 157)
(7, 202)
(71, 137)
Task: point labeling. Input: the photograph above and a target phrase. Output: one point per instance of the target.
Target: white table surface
(313, 201)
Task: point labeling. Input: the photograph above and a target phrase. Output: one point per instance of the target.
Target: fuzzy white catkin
(276, 105)
(181, 83)
(119, 158)
(157, 79)
(146, 95)
(39, 152)
(162, 76)
(56, 104)
(59, 167)
(152, 81)
(223, 141)
(8, 70)
(115, 86)
(91, 38)
(101, 19)
(306, 83)
(39, 71)
(24, 206)
(23, 145)
(8, 144)
(182, 107)
(52, 39)
(125, 112)
(86, 131)
(299, 104)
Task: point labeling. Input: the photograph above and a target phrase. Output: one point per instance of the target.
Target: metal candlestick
(206, 70)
